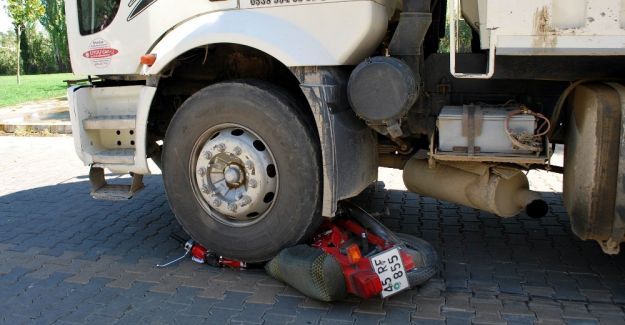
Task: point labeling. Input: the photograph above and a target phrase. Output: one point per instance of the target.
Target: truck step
(115, 156)
(101, 190)
(114, 122)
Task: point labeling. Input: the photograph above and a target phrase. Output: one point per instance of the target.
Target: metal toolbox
(474, 129)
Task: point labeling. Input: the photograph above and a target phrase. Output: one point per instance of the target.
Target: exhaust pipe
(500, 190)
(534, 204)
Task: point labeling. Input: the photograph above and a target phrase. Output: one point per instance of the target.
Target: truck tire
(242, 170)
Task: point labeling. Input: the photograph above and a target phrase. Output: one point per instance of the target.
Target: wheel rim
(234, 175)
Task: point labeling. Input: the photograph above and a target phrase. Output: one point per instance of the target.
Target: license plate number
(390, 269)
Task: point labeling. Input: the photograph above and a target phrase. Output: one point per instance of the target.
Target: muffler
(503, 191)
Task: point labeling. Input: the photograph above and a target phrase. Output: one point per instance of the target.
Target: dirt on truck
(265, 114)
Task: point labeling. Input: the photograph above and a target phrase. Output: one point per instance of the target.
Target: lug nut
(217, 202)
(253, 183)
(205, 189)
(202, 171)
(220, 147)
(246, 200)
(232, 207)
(249, 165)
(208, 155)
(237, 151)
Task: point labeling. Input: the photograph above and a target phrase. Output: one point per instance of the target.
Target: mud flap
(594, 164)
(618, 231)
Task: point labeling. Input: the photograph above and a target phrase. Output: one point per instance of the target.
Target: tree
(23, 12)
(37, 52)
(54, 22)
(464, 38)
(7, 53)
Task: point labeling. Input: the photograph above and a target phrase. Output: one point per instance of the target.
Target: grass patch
(33, 87)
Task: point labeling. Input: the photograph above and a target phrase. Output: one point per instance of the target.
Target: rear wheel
(242, 170)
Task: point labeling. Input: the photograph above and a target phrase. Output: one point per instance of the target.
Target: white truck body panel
(313, 33)
(549, 27)
(124, 146)
(133, 38)
(290, 34)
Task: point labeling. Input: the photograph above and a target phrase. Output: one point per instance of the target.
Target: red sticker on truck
(100, 53)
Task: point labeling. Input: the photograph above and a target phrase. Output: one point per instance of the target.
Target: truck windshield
(96, 15)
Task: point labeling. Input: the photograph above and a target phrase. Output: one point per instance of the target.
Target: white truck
(264, 114)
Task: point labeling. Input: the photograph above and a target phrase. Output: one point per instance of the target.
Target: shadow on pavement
(63, 217)
(483, 256)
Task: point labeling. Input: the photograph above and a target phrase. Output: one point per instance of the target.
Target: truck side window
(96, 15)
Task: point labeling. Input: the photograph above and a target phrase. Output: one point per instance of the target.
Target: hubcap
(235, 174)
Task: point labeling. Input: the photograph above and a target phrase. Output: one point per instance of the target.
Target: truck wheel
(242, 170)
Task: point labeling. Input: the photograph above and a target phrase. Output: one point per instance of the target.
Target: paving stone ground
(65, 258)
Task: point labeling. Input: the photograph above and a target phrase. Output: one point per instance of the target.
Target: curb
(56, 128)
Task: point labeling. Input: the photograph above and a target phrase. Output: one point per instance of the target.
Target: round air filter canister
(382, 89)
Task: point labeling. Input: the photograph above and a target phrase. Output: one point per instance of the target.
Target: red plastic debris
(198, 254)
(201, 255)
(337, 239)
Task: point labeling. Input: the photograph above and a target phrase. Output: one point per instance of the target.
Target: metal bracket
(453, 37)
(471, 125)
(101, 190)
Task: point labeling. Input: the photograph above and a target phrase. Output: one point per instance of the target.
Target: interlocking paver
(308, 316)
(397, 315)
(573, 321)
(215, 289)
(425, 320)
(285, 305)
(340, 311)
(200, 307)
(66, 258)
(232, 300)
(371, 306)
(309, 303)
(278, 319)
(265, 294)
(368, 319)
(335, 322)
(189, 320)
(252, 313)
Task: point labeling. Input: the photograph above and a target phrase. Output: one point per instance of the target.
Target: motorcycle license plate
(390, 269)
